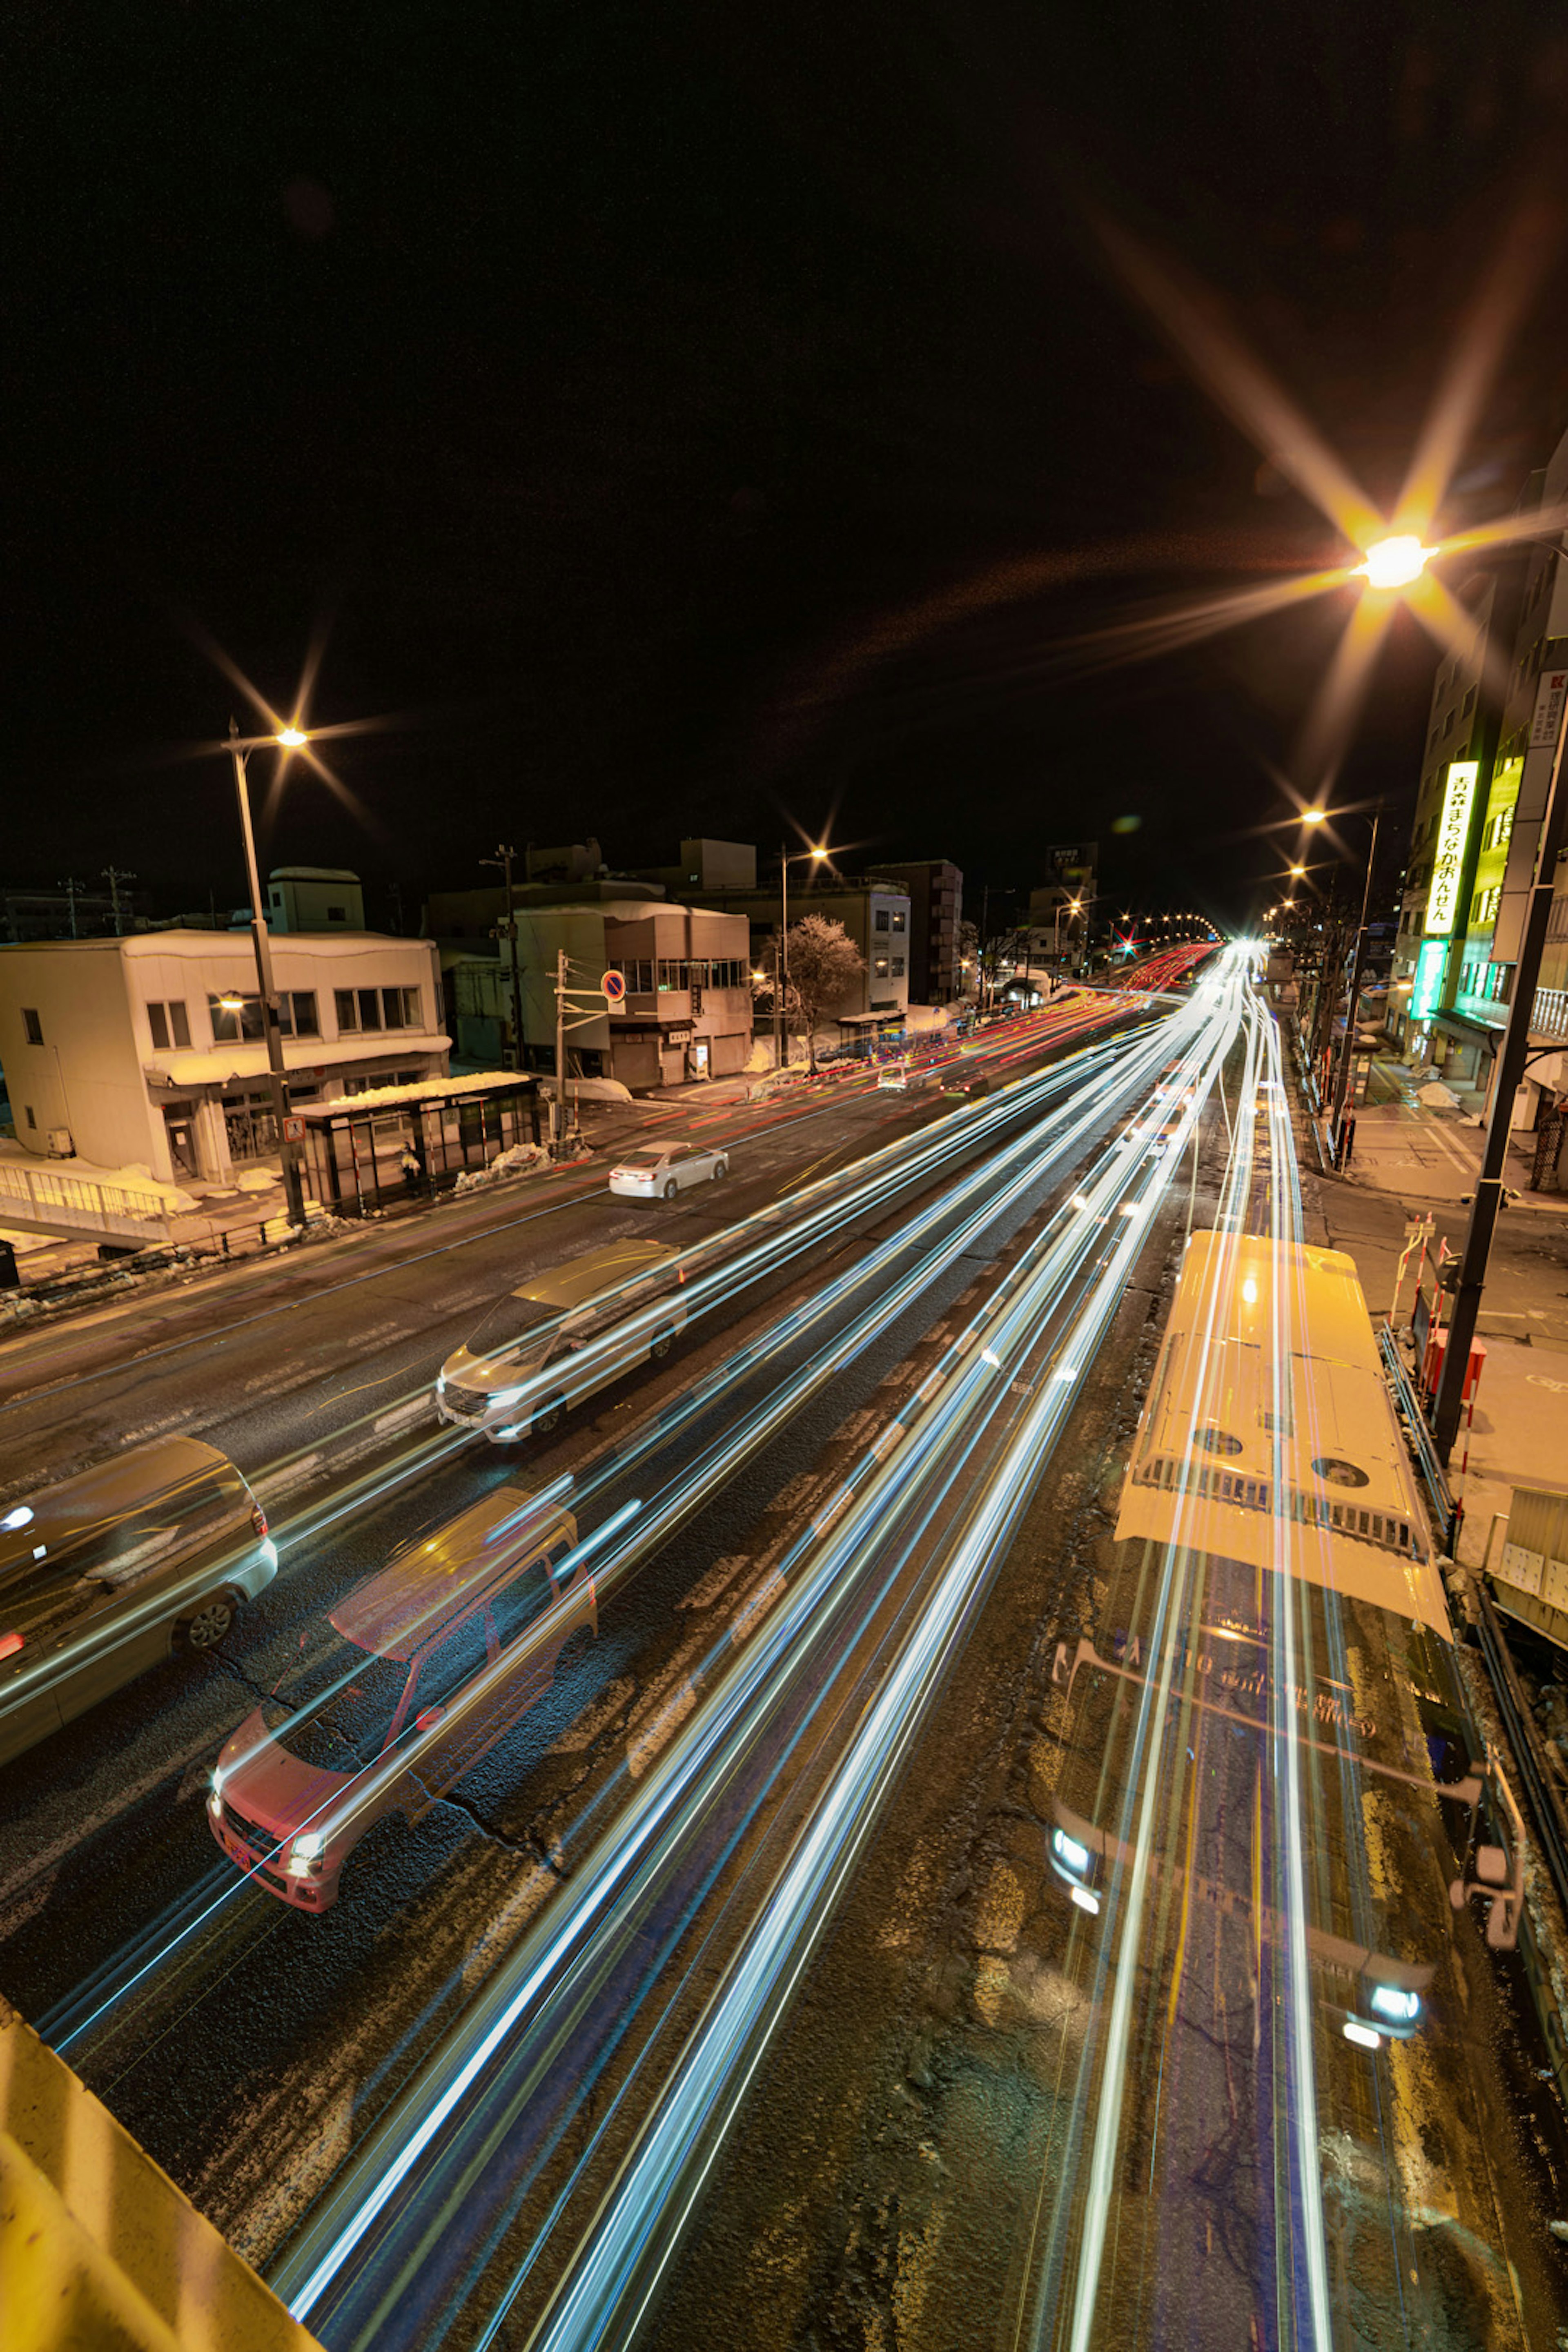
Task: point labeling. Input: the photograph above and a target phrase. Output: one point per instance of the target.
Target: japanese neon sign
(1430, 966)
(1449, 857)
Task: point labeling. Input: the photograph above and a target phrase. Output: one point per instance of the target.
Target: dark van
(106, 1573)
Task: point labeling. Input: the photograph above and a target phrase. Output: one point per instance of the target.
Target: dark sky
(632, 396)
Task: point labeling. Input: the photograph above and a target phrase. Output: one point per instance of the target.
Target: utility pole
(293, 1189)
(114, 875)
(503, 858)
(70, 886)
(558, 1108)
(395, 892)
(1347, 1057)
(1510, 1062)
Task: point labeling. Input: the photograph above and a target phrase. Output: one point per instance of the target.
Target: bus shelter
(398, 1143)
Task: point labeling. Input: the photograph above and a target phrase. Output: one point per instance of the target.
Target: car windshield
(510, 1320)
(335, 1709)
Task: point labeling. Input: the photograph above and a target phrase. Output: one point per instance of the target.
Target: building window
(337, 914)
(347, 1011)
(899, 922)
(1469, 703)
(673, 973)
(400, 1008)
(27, 1113)
(169, 1025)
(880, 919)
(277, 897)
(1486, 905)
(1500, 829)
(637, 973)
(898, 967)
(881, 967)
(239, 1017)
(303, 1006)
(32, 1025)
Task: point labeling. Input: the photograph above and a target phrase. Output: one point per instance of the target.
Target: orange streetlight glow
(1396, 562)
(292, 737)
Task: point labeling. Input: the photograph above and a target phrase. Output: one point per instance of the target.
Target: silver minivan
(515, 1375)
(105, 1574)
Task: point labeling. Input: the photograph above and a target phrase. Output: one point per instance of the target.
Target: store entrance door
(181, 1131)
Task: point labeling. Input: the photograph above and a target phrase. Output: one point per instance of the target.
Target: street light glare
(1314, 817)
(292, 737)
(1395, 562)
(818, 854)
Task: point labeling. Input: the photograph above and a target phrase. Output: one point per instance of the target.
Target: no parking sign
(614, 984)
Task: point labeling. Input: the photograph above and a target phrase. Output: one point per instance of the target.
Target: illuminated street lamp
(1396, 563)
(813, 856)
(241, 746)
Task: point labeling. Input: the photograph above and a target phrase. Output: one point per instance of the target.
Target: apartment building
(152, 1049)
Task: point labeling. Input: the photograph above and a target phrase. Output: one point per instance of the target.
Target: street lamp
(814, 856)
(1358, 961)
(1396, 562)
(241, 746)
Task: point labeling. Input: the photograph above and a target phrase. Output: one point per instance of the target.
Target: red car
(440, 1653)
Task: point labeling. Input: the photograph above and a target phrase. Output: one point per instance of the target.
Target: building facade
(152, 1049)
(876, 916)
(935, 889)
(314, 898)
(685, 1013)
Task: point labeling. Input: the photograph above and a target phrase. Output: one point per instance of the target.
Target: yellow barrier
(99, 2251)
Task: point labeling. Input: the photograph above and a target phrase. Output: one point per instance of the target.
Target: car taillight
(9, 1644)
(258, 1518)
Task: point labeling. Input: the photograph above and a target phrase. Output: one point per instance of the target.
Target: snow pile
(1437, 1097)
(523, 1160)
(922, 1017)
(589, 1090)
(257, 1180)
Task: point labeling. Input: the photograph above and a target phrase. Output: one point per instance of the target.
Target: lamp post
(241, 746)
(781, 960)
(1076, 907)
(503, 858)
(1358, 960)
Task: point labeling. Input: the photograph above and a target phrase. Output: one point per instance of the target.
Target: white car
(659, 1171)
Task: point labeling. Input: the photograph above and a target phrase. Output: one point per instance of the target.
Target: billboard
(1427, 989)
(1448, 853)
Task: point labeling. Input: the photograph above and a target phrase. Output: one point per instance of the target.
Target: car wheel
(720, 1168)
(659, 1348)
(671, 1189)
(548, 1415)
(208, 1622)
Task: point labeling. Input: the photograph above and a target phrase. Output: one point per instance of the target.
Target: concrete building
(935, 889)
(875, 914)
(151, 1049)
(686, 1012)
(314, 898)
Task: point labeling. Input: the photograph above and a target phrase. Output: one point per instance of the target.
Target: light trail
(542, 1980)
(987, 1191)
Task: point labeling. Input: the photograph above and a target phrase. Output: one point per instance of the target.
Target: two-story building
(152, 1050)
(687, 1010)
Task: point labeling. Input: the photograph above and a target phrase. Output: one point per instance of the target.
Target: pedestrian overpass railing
(45, 1200)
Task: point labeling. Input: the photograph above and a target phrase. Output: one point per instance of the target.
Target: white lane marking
(642, 1750)
(745, 1620)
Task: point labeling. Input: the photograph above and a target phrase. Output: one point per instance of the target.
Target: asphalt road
(248, 2047)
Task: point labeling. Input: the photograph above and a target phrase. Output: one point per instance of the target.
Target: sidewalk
(1429, 1156)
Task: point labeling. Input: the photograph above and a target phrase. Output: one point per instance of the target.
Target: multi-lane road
(710, 2005)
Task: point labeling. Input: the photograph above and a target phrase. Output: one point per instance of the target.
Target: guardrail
(1408, 1406)
(50, 1201)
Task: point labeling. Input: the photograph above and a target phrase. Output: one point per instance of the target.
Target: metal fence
(52, 1203)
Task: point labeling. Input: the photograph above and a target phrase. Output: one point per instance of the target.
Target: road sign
(614, 984)
(293, 1129)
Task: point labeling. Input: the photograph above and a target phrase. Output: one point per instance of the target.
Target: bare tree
(824, 964)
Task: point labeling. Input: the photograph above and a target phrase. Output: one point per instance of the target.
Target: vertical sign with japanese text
(1448, 853)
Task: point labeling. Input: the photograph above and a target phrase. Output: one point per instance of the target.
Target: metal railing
(1549, 1013)
(1407, 1405)
(50, 1201)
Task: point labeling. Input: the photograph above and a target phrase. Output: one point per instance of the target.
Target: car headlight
(218, 1778)
(504, 1396)
(1070, 1853)
(310, 1846)
(440, 1383)
(1392, 2003)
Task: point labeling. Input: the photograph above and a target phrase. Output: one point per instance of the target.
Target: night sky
(631, 398)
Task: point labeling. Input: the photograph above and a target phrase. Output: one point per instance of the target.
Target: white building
(314, 898)
(152, 1049)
